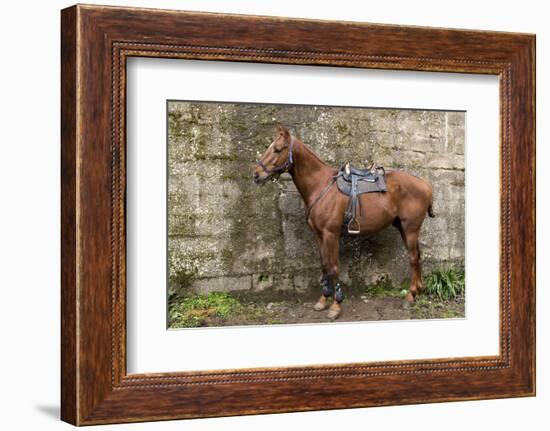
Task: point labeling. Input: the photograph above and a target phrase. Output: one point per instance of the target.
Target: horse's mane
(310, 151)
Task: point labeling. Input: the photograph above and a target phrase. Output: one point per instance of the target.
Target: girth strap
(353, 226)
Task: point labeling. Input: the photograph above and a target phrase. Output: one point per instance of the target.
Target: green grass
(384, 288)
(444, 284)
(447, 283)
(192, 311)
(429, 307)
(450, 314)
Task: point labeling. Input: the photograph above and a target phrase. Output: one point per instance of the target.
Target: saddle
(354, 182)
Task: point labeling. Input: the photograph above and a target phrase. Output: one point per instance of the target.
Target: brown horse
(404, 205)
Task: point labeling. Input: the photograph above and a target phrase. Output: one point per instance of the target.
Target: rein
(318, 198)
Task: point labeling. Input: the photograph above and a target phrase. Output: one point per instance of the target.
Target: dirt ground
(286, 308)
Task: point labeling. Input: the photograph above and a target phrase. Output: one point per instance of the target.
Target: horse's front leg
(329, 248)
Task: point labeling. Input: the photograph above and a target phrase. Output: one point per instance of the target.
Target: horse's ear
(283, 131)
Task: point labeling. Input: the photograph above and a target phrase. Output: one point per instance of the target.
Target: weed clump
(446, 283)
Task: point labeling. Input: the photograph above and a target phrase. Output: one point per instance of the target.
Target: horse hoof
(409, 297)
(320, 306)
(334, 313)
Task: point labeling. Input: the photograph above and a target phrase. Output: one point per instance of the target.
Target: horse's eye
(277, 150)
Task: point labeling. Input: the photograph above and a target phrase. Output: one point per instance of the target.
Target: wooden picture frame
(95, 43)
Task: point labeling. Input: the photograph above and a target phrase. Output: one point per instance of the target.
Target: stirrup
(354, 227)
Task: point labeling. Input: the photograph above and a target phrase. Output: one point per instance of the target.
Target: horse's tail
(430, 208)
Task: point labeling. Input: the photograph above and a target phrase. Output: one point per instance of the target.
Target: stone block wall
(225, 233)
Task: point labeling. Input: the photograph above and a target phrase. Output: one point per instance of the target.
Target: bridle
(285, 166)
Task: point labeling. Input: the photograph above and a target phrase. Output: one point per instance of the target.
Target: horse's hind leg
(416, 267)
(410, 238)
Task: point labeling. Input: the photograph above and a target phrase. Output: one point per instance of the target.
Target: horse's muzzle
(257, 179)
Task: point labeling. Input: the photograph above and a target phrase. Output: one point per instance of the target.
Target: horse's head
(277, 158)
